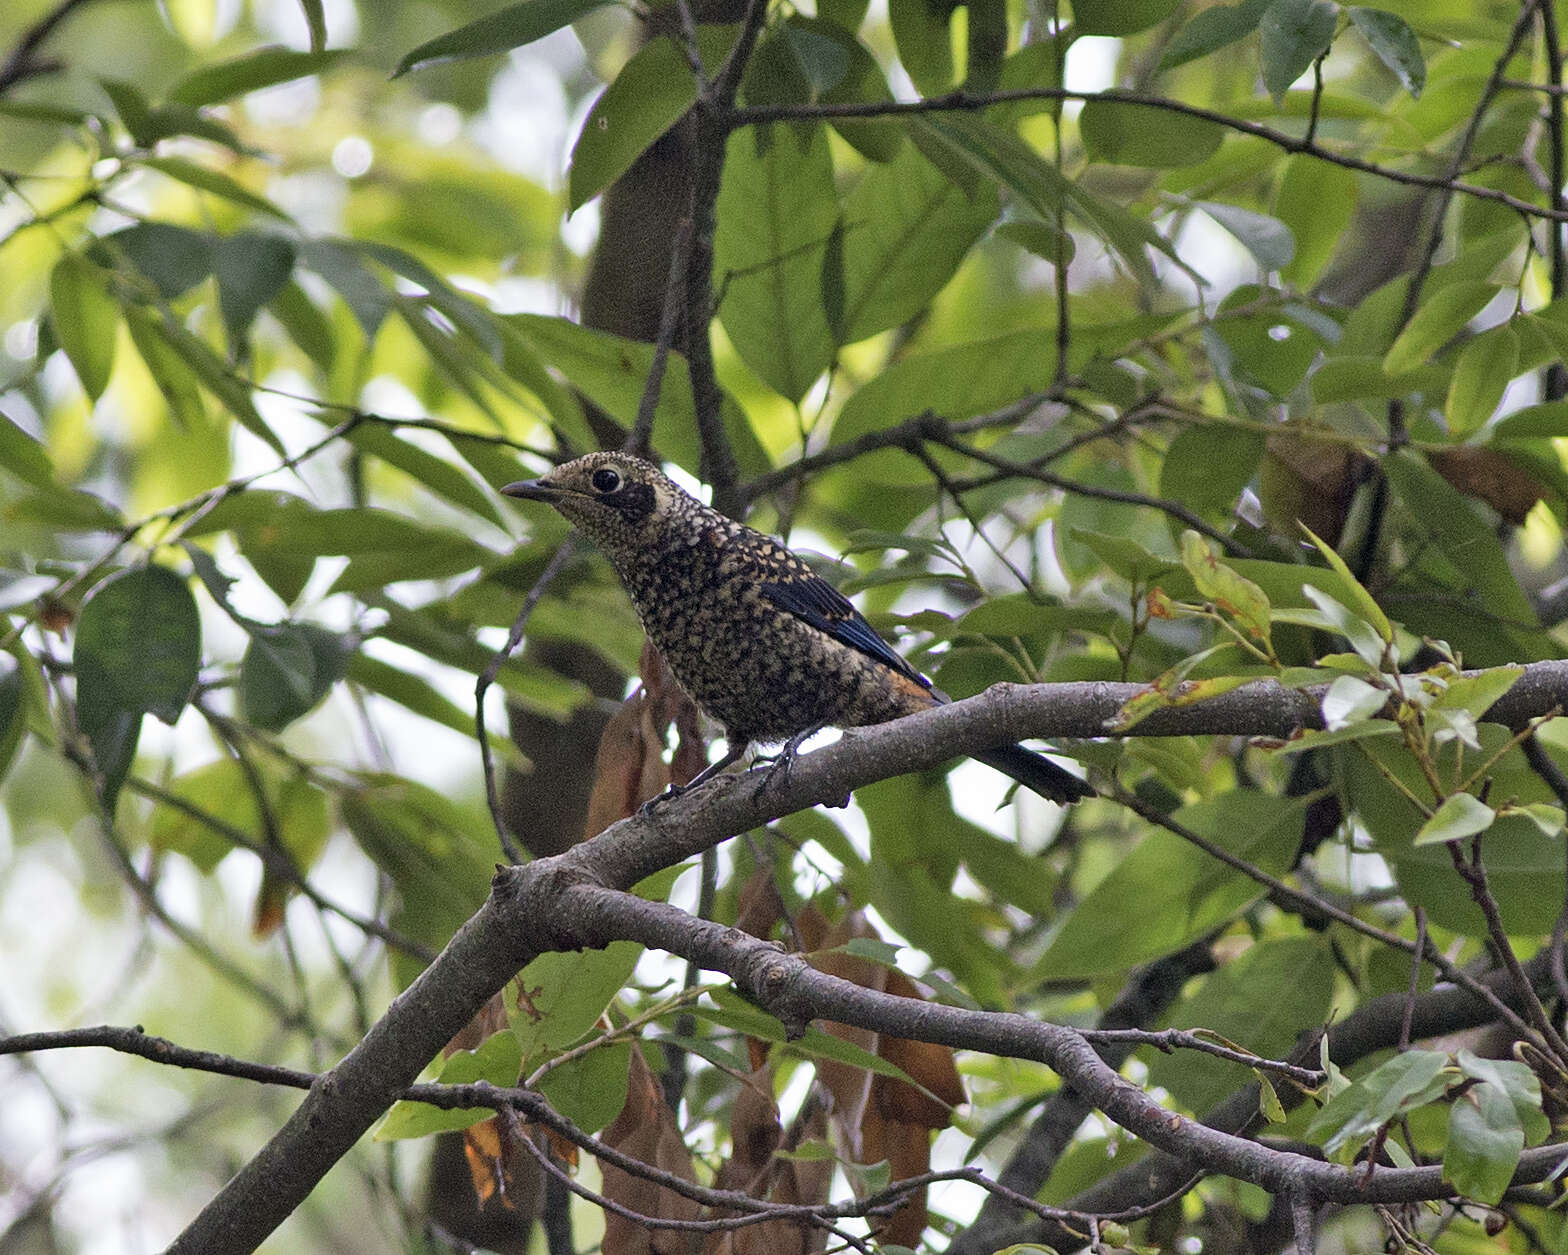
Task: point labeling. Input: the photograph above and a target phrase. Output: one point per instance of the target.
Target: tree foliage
(1197, 367)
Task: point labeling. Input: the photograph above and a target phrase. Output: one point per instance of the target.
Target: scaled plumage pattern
(764, 646)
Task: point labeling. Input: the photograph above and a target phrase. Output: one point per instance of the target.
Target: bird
(764, 646)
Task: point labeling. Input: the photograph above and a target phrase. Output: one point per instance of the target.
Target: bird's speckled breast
(762, 673)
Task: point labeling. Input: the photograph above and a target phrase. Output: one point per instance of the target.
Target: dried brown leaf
(1490, 476)
(647, 1130)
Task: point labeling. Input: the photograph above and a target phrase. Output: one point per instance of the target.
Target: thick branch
(1374, 1026)
(797, 993)
(568, 902)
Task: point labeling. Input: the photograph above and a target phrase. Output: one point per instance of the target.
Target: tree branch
(572, 901)
(968, 102)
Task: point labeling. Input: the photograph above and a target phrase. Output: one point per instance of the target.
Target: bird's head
(622, 502)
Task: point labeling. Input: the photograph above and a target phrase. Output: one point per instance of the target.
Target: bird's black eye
(605, 480)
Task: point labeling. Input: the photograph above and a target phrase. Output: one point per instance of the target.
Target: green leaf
(440, 858)
(1396, 45)
(141, 630)
(806, 60)
(361, 289)
(1268, 239)
(206, 179)
(132, 108)
(1129, 134)
(1208, 466)
(590, 1090)
(1440, 317)
(1486, 366)
(1357, 377)
(24, 457)
(498, 1060)
(956, 382)
(1229, 591)
(650, 94)
(306, 325)
(501, 31)
(1524, 866)
(40, 111)
(86, 320)
(1548, 419)
(210, 84)
(1119, 17)
(1000, 155)
(925, 48)
(1124, 556)
(1350, 701)
(1212, 29)
(174, 379)
(225, 791)
(611, 371)
(1465, 540)
(1315, 201)
(175, 259)
(435, 474)
(137, 651)
(1269, 349)
(410, 691)
(1363, 637)
(287, 670)
(216, 376)
(1485, 1139)
(564, 994)
(1354, 732)
(1362, 602)
(907, 227)
(13, 713)
(1406, 1081)
(1477, 693)
(776, 211)
(1292, 34)
(1519, 1083)
(1459, 816)
(1175, 891)
(1549, 819)
(252, 269)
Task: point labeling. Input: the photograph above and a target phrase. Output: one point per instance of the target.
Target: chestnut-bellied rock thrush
(764, 646)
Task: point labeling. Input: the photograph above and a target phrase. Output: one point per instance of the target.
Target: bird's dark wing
(811, 598)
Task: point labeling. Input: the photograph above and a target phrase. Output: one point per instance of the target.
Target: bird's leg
(785, 758)
(733, 750)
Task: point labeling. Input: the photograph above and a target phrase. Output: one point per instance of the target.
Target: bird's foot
(780, 764)
(674, 791)
(671, 792)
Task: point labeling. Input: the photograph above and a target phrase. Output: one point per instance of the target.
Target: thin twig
(1473, 872)
(24, 61)
(1415, 980)
(558, 561)
(1450, 970)
(968, 102)
(640, 439)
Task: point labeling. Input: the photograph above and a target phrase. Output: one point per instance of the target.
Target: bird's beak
(531, 490)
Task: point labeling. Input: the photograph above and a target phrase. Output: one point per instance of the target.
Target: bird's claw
(671, 792)
(778, 764)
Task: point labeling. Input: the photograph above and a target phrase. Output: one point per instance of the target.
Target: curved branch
(796, 993)
(571, 901)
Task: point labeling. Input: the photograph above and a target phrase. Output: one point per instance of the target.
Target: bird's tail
(1036, 773)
